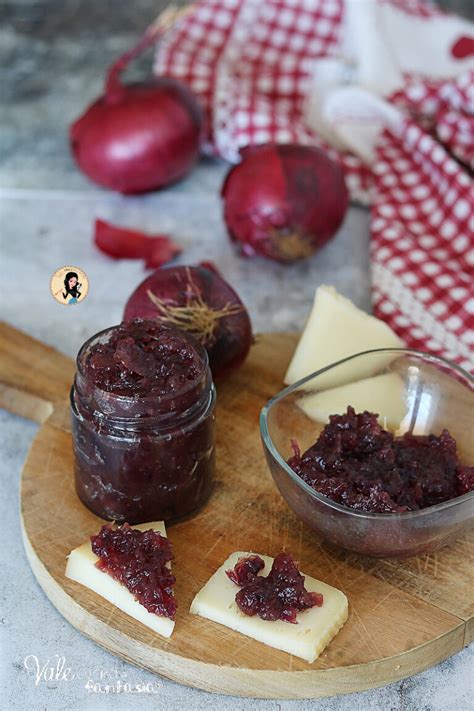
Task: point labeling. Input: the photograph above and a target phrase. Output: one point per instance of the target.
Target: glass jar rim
(162, 398)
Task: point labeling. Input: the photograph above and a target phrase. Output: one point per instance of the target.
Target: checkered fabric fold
(251, 63)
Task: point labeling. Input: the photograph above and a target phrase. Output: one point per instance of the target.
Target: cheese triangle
(336, 329)
(384, 394)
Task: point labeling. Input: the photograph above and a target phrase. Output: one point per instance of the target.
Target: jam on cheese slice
(336, 329)
(81, 567)
(314, 628)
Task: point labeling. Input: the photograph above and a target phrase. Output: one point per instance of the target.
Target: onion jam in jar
(143, 419)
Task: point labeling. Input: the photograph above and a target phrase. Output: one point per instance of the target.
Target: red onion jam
(139, 560)
(278, 596)
(143, 423)
(357, 463)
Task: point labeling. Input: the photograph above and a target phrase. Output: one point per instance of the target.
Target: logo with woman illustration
(69, 285)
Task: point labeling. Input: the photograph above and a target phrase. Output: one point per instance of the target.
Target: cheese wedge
(384, 394)
(315, 627)
(81, 568)
(336, 329)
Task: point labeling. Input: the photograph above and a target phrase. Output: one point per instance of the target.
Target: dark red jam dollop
(357, 463)
(143, 358)
(139, 560)
(143, 406)
(278, 596)
(245, 570)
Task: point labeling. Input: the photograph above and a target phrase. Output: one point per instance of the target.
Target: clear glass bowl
(412, 392)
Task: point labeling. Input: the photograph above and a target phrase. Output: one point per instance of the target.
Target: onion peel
(124, 243)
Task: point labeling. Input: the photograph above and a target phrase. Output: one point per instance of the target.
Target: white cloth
(381, 46)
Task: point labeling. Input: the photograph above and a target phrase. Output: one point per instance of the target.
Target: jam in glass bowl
(142, 407)
(415, 395)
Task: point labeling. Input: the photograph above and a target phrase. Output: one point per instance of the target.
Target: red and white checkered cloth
(252, 64)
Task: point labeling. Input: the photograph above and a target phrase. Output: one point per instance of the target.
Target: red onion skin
(139, 139)
(124, 243)
(233, 334)
(284, 202)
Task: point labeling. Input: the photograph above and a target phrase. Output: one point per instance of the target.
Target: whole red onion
(138, 137)
(200, 301)
(284, 201)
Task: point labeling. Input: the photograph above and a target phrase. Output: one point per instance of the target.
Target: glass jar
(143, 456)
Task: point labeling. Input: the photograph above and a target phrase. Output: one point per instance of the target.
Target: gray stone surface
(43, 230)
(53, 54)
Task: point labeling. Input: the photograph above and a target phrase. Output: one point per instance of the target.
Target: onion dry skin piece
(123, 243)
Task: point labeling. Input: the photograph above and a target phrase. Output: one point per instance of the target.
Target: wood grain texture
(404, 615)
(33, 376)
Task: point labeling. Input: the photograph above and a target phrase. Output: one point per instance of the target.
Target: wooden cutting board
(405, 616)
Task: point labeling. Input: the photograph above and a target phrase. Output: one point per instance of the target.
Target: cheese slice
(336, 329)
(384, 394)
(315, 627)
(81, 568)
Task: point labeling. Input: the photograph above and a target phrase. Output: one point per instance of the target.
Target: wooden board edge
(264, 684)
(469, 633)
(24, 404)
(33, 375)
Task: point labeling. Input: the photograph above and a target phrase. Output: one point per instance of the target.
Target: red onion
(198, 300)
(123, 243)
(138, 137)
(284, 201)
